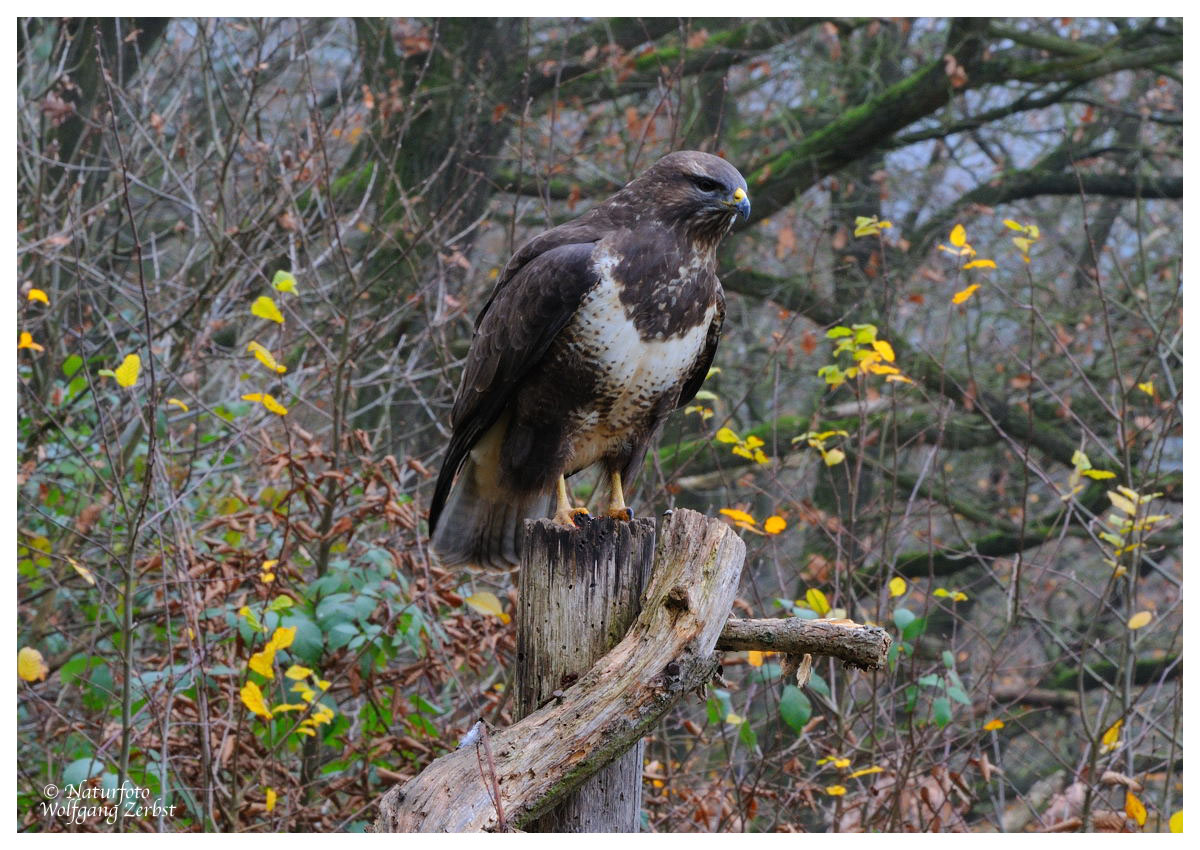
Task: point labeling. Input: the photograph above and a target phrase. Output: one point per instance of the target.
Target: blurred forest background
(249, 257)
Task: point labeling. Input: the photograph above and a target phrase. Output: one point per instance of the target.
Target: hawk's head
(698, 192)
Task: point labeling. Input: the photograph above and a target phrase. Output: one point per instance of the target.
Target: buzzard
(595, 331)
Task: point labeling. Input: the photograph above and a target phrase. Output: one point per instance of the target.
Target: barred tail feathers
(482, 525)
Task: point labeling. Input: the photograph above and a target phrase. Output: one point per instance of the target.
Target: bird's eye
(704, 184)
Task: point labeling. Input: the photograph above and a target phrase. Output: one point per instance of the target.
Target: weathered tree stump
(539, 760)
(513, 777)
(580, 591)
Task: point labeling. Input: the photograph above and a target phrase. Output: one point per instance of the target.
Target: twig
(135, 526)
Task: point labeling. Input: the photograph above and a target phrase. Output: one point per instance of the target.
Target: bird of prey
(595, 331)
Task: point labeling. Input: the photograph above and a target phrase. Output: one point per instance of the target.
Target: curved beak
(741, 202)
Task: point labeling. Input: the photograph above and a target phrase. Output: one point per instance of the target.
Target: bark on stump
(580, 591)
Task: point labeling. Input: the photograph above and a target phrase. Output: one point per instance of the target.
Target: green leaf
(948, 659)
(902, 617)
(941, 712)
(77, 668)
(714, 711)
(913, 629)
(746, 733)
(308, 644)
(341, 634)
(958, 695)
(71, 365)
(81, 770)
(795, 708)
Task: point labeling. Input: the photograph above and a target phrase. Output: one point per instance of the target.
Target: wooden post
(579, 592)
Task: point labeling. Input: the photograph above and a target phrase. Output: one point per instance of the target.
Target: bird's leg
(617, 508)
(565, 515)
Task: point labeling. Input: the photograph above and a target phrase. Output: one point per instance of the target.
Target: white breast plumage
(632, 373)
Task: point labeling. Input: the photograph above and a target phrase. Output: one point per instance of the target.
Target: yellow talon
(565, 514)
(617, 508)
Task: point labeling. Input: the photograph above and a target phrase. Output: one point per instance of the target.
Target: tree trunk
(580, 591)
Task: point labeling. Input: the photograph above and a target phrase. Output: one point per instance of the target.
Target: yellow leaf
(284, 282)
(1111, 738)
(297, 672)
(283, 637)
(754, 658)
(980, 264)
(901, 378)
(1147, 388)
(268, 401)
(1121, 503)
(486, 602)
(1134, 808)
(841, 762)
(833, 457)
(753, 442)
(958, 236)
(1012, 225)
(252, 698)
(30, 665)
(271, 797)
(25, 340)
(993, 725)
(1140, 619)
(739, 516)
(835, 790)
(127, 373)
(963, 294)
(885, 350)
(866, 771)
(266, 358)
(864, 226)
(38, 295)
(265, 308)
(263, 662)
(1175, 824)
(727, 435)
(733, 719)
(816, 600)
(883, 369)
(306, 693)
(774, 524)
(84, 572)
(897, 586)
(1023, 244)
(177, 403)
(1099, 474)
